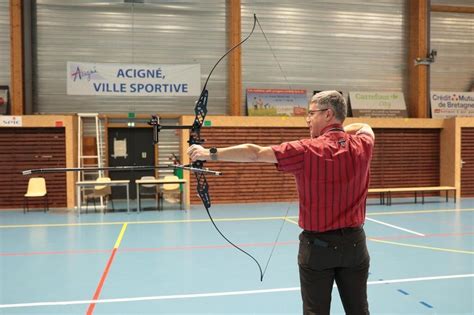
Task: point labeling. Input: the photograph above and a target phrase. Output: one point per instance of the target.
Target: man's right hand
(359, 128)
(197, 152)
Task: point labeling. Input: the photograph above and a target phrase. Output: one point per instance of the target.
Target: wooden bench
(386, 193)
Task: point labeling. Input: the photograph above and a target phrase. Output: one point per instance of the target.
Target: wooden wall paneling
(402, 158)
(450, 148)
(183, 147)
(467, 156)
(406, 158)
(249, 182)
(89, 147)
(27, 148)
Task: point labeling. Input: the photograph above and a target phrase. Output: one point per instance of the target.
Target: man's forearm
(239, 153)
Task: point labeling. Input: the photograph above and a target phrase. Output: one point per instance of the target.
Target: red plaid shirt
(332, 177)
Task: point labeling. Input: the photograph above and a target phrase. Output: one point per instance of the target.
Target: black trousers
(340, 256)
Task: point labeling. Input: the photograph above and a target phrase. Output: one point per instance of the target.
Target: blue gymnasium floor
(174, 262)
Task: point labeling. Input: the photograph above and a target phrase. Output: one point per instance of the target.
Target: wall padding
(28, 148)
(402, 158)
(467, 156)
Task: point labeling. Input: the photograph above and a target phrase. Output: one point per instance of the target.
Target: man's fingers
(196, 152)
(196, 156)
(191, 149)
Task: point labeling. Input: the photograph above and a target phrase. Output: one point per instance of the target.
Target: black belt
(310, 237)
(338, 231)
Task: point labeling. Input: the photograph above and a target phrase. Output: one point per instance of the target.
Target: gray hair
(333, 100)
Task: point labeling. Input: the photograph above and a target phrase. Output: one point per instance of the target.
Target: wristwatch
(213, 153)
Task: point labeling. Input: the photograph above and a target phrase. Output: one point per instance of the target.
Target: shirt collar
(332, 126)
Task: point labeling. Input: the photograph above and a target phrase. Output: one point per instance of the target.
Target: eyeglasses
(314, 111)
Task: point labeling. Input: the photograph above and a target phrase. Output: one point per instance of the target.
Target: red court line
(101, 251)
(90, 310)
(205, 247)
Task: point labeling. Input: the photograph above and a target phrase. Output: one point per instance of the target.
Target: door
(130, 146)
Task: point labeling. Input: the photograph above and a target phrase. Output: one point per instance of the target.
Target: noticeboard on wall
(377, 104)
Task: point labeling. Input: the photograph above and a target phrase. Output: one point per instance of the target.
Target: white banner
(11, 121)
(378, 104)
(133, 79)
(452, 104)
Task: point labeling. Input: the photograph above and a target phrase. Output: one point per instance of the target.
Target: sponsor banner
(377, 104)
(276, 102)
(4, 103)
(133, 79)
(10, 121)
(452, 104)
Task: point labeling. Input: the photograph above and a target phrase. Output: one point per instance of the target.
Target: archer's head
(325, 108)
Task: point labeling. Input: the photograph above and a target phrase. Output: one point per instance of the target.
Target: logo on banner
(78, 74)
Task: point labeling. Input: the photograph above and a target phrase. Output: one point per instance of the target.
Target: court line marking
(429, 235)
(218, 294)
(419, 211)
(459, 251)
(153, 249)
(197, 247)
(292, 221)
(394, 226)
(415, 246)
(91, 307)
(141, 222)
(119, 238)
(10, 226)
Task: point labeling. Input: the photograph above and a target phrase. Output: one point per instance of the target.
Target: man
(332, 176)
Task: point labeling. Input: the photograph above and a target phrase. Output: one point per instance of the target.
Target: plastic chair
(171, 189)
(36, 189)
(104, 191)
(148, 190)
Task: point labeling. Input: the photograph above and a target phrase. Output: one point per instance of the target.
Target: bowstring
(289, 85)
(276, 240)
(273, 52)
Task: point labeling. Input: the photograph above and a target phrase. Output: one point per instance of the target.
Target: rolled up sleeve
(290, 156)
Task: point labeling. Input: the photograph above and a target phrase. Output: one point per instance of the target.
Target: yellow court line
(141, 222)
(217, 220)
(424, 247)
(119, 239)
